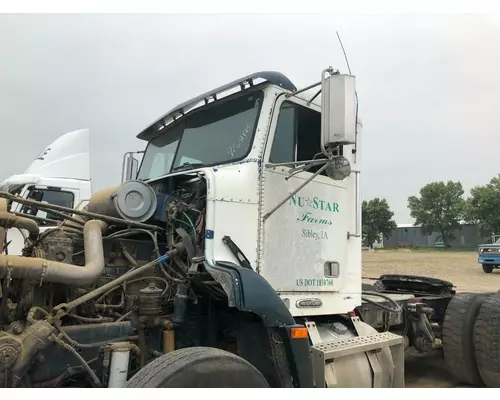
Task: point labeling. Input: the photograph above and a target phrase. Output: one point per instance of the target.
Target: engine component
(8, 220)
(59, 247)
(39, 269)
(63, 309)
(180, 304)
(168, 337)
(132, 200)
(10, 349)
(16, 351)
(150, 300)
(120, 357)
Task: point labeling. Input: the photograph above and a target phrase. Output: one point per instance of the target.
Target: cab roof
(273, 77)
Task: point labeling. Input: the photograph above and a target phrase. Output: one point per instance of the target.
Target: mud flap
(384, 355)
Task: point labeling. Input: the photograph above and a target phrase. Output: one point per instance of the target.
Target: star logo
(308, 202)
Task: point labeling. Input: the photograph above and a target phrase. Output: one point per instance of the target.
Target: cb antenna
(343, 50)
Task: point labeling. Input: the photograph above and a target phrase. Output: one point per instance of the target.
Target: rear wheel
(458, 337)
(198, 367)
(488, 268)
(487, 341)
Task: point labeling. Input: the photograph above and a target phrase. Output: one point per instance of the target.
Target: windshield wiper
(188, 165)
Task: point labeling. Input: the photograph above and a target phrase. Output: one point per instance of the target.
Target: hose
(32, 312)
(40, 269)
(398, 308)
(82, 361)
(131, 232)
(9, 220)
(92, 320)
(129, 257)
(162, 265)
(191, 224)
(164, 272)
(50, 220)
(74, 343)
(124, 316)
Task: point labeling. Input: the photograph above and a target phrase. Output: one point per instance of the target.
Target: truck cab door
(305, 241)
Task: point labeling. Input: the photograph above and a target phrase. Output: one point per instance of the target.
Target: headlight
(481, 250)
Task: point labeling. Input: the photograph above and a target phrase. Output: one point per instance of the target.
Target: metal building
(407, 235)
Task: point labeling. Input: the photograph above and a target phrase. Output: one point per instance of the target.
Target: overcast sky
(429, 86)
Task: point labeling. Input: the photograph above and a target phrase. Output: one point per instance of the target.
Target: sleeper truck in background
(59, 175)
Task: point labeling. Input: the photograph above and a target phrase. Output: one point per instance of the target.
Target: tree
(377, 221)
(440, 208)
(483, 207)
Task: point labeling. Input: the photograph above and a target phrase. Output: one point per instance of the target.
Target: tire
(458, 337)
(487, 341)
(198, 367)
(488, 268)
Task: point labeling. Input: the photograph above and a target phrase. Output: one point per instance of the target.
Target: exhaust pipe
(40, 269)
(8, 220)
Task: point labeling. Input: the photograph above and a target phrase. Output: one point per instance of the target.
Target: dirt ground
(459, 268)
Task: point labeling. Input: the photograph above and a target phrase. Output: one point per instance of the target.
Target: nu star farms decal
(314, 211)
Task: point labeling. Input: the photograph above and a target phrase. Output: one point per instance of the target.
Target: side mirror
(338, 109)
(130, 166)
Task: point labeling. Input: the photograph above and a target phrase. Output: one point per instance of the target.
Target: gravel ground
(459, 268)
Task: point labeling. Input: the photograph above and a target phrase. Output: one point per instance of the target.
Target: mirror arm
(304, 166)
(319, 171)
(288, 95)
(309, 165)
(295, 163)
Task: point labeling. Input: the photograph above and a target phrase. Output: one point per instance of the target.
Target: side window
(283, 149)
(297, 136)
(51, 196)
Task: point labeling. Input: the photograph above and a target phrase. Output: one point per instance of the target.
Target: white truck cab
(246, 210)
(59, 175)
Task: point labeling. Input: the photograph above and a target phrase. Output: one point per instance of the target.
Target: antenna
(343, 50)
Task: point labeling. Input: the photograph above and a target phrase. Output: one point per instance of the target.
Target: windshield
(11, 188)
(218, 134)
